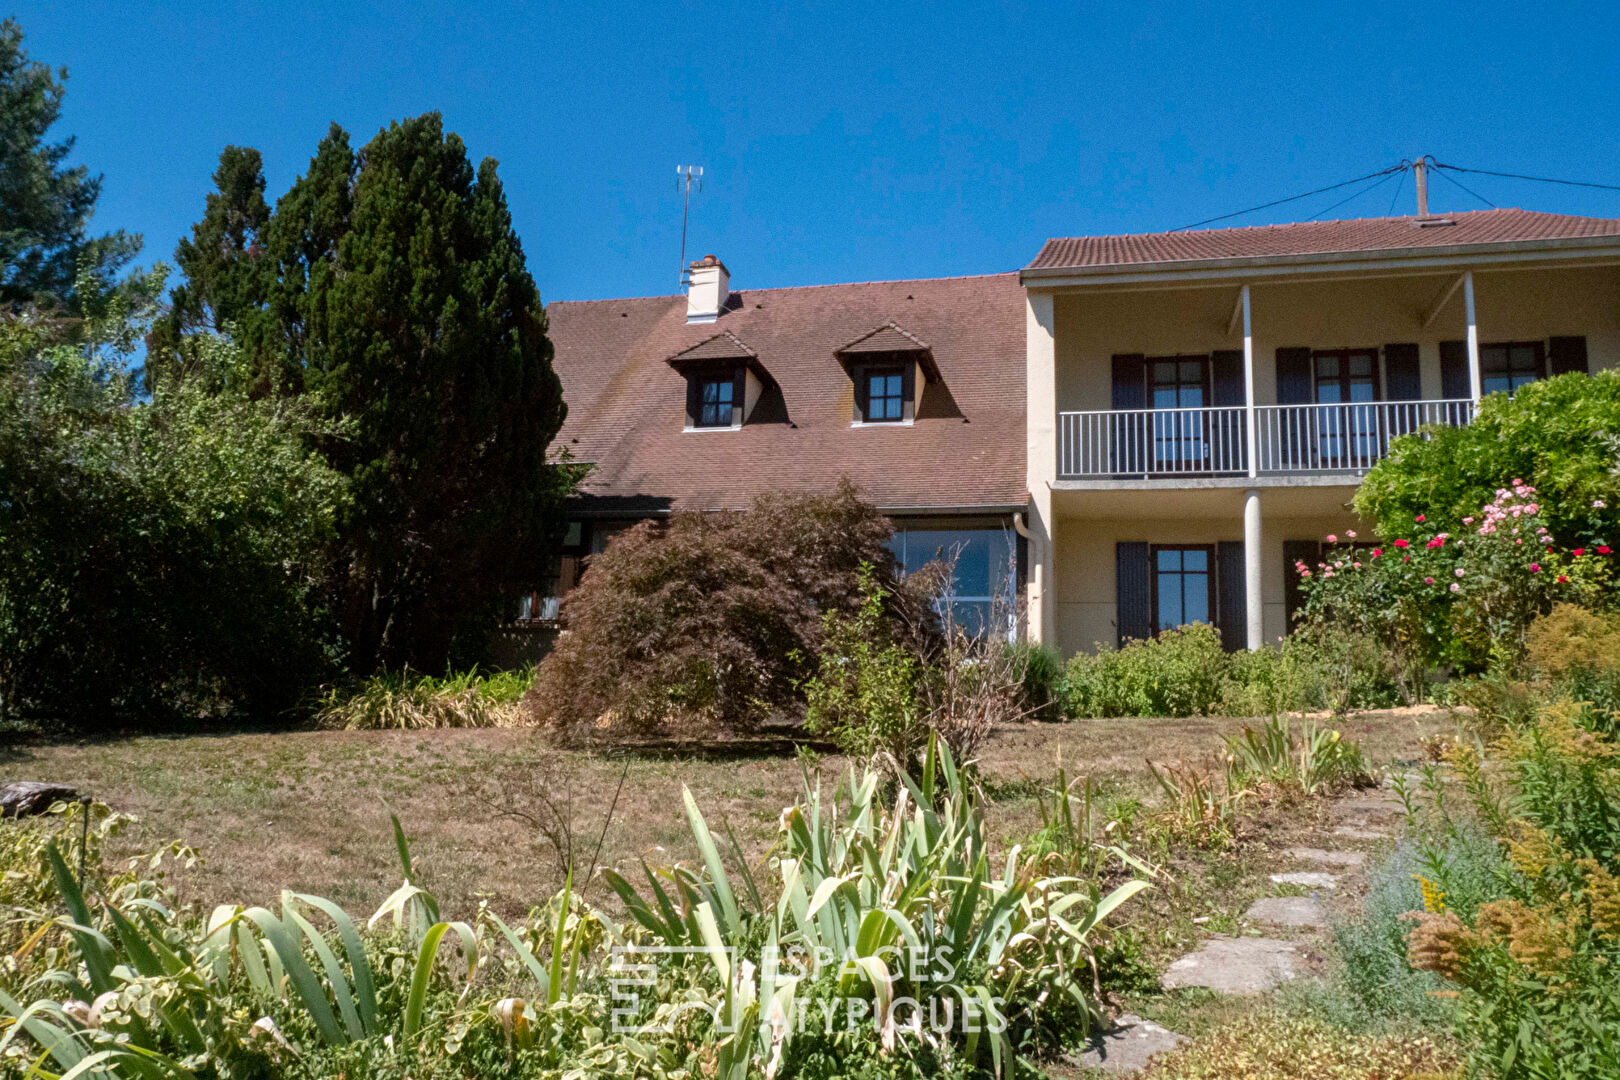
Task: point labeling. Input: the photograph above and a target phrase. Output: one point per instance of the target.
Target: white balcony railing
(1131, 443)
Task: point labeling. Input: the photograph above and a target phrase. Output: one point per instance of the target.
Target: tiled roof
(626, 405)
(886, 338)
(1508, 225)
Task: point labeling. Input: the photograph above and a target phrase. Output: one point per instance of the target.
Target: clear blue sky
(848, 142)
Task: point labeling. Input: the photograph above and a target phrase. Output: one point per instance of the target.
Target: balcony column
(1475, 383)
(1041, 461)
(1253, 596)
(1252, 438)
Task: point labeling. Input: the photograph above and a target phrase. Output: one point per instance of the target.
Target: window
(1347, 377)
(1182, 577)
(1506, 366)
(885, 389)
(715, 393)
(981, 594)
(1179, 382)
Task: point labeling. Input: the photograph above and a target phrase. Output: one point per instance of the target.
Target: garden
(844, 837)
(764, 810)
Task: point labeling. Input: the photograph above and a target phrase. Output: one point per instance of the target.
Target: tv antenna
(685, 177)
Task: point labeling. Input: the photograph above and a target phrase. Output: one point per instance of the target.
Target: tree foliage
(45, 205)
(713, 617)
(1560, 436)
(161, 556)
(389, 290)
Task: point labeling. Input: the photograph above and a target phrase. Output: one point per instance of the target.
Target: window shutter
(1227, 365)
(1294, 377)
(1231, 604)
(1126, 434)
(1134, 609)
(739, 394)
(1308, 552)
(1403, 378)
(1130, 382)
(1566, 354)
(694, 400)
(1454, 384)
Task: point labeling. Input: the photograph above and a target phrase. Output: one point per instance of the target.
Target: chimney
(708, 288)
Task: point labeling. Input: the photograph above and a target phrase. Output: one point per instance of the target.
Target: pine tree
(45, 206)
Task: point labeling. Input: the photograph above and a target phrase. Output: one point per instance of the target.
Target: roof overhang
(1570, 251)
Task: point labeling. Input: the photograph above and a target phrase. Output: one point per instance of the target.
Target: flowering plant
(1435, 597)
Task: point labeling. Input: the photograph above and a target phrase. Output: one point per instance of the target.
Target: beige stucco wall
(1085, 564)
(1512, 305)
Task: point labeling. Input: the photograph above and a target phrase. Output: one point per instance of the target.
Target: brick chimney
(709, 286)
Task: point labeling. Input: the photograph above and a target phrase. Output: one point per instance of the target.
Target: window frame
(1212, 593)
(1540, 351)
(884, 371)
(885, 363)
(698, 378)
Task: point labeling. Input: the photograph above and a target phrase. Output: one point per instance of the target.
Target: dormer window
(724, 381)
(890, 369)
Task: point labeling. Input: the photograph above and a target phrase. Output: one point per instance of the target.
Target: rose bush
(1434, 597)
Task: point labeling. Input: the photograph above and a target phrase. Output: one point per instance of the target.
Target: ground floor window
(982, 594)
(1183, 585)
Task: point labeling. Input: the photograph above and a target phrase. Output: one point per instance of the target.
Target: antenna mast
(1421, 175)
(685, 175)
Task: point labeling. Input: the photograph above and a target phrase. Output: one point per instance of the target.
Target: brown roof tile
(1507, 225)
(626, 406)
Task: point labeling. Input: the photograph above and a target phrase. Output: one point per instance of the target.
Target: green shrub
(1041, 689)
(1178, 673)
(1576, 654)
(1305, 759)
(865, 692)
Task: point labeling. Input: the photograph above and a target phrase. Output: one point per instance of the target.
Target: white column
(1041, 463)
(1253, 596)
(1253, 440)
(1475, 384)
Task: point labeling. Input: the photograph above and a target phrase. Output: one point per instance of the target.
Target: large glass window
(1182, 581)
(715, 401)
(1506, 366)
(981, 595)
(885, 394)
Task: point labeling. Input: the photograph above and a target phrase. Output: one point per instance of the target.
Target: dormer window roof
(894, 339)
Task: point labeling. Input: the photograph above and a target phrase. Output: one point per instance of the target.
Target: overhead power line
(1295, 198)
(1465, 187)
(1521, 176)
(1356, 195)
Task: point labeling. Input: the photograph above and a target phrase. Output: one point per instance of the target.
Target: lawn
(309, 809)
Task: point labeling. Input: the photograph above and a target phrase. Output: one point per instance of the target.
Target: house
(1132, 433)
(913, 390)
(1202, 405)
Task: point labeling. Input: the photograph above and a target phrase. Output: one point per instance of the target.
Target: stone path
(1128, 1045)
(1236, 965)
(1257, 965)
(1300, 911)
(1310, 879)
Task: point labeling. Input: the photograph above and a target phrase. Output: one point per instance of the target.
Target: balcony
(1130, 444)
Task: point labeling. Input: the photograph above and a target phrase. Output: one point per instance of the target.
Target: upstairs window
(885, 394)
(1506, 366)
(716, 396)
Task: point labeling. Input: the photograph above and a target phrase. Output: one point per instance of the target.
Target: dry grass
(309, 810)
